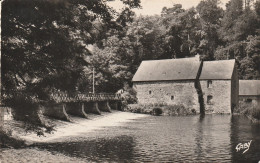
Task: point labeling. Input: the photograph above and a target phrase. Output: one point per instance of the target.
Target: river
(212, 138)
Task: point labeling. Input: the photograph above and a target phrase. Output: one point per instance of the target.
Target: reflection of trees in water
(104, 149)
(242, 131)
(199, 137)
(234, 132)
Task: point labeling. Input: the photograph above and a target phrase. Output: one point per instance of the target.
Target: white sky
(151, 7)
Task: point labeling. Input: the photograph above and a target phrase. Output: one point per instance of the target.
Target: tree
(253, 51)
(181, 26)
(210, 14)
(44, 45)
(234, 8)
(239, 33)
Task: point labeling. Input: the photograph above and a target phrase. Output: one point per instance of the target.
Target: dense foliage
(208, 30)
(44, 47)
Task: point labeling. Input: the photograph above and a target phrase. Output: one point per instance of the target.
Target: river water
(212, 138)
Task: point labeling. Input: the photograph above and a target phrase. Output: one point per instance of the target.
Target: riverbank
(160, 109)
(250, 111)
(80, 126)
(63, 132)
(34, 155)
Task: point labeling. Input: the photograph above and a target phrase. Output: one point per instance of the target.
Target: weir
(115, 105)
(57, 111)
(63, 105)
(92, 107)
(77, 109)
(104, 106)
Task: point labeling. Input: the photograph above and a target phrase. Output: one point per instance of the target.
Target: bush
(252, 112)
(26, 110)
(179, 110)
(128, 96)
(249, 110)
(157, 111)
(160, 109)
(6, 140)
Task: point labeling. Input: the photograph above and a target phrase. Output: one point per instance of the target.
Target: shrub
(128, 96)
(252, 112)
(6, 140)
(159, 109)
(26, 110)
(179, 110)
(249, 110)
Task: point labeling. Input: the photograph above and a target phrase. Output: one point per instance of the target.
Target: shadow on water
(117, 149)
(242, 131)
(205, 138)
(199, 137)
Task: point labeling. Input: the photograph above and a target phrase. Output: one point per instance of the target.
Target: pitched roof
(169, 69)
(222, 69)
(249, 87)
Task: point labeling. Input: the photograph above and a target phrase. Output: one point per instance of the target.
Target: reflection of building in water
(190, 82)
(249, 92)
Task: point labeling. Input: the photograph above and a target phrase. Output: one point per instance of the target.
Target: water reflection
(243, 131)
(199, 138)
(212, 138)
(109, 149)
(209, 138)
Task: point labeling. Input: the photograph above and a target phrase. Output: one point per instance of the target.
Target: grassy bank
(160, 109)
(249, 110)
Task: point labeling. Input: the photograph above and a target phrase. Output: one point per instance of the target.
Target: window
(172, 97)
(249, 100)
(209, 99)
(150, 92)
(209, 84)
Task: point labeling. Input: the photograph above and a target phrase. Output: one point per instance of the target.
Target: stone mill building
(210, 86)
(249, 92)
(220, 86)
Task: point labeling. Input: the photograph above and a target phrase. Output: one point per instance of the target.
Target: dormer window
(209, 84)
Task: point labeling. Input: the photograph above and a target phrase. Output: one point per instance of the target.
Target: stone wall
(168, 92)
(217, 96)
